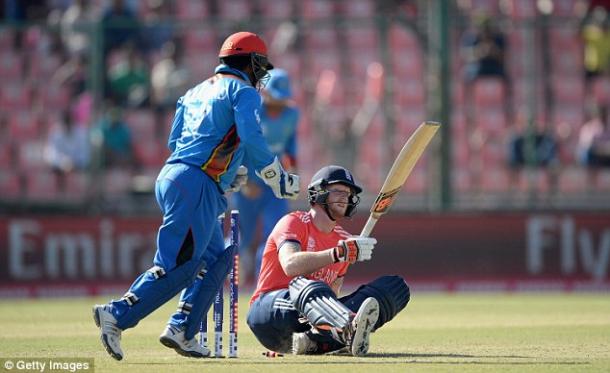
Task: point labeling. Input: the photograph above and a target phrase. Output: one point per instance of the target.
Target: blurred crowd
(553, 104)
(89, 89)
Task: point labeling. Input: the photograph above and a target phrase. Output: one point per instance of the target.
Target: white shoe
(173, 337)
(110, 333)
(302, 344)
(362, 324)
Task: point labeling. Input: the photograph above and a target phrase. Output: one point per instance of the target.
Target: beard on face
(337, 209)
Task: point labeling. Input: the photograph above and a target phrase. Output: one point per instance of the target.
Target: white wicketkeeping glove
(283, 184)
(354, 249)
(241, 178)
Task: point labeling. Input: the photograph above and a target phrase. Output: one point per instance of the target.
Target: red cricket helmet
(245, 43)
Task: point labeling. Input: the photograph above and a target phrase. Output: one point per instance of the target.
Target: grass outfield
(437, 332)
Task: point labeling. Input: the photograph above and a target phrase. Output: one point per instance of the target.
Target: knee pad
(200, 295)
(174, 280)
(152, 289)
(317, 301)
(219, 269)
(396, 289)
(392, 293)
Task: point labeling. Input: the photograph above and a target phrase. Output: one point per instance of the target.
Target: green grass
(437, 332)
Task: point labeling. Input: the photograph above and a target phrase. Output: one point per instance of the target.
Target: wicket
(218, 306)
(234, 286)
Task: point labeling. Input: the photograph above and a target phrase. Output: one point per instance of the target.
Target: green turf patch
(437, 332)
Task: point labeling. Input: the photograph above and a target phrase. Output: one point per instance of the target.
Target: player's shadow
(480, 359)
(434, 355)
(372, 358)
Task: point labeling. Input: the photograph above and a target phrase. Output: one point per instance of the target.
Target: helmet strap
(320, 197)
(328, 211)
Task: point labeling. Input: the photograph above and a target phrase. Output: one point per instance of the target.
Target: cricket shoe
(173, 337)
(110, 333)
(315, 343)
(362, 325)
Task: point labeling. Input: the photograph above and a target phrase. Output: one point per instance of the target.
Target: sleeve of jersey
(247, 106)
(291, 145)
(343, 269)
(176, 130)
(289, 228)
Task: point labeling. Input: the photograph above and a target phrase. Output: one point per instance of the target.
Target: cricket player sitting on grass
(216, 124)
(295, 306)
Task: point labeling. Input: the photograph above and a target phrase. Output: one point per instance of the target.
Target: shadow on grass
(377, 359)
(498, 362)
(406, 354)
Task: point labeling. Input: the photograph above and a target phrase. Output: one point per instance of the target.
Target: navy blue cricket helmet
(329, 175)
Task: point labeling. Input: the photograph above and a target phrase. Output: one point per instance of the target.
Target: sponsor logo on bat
(384, 201)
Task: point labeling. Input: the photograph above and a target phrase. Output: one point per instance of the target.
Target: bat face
(403, 165)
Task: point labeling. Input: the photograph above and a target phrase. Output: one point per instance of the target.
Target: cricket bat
(401, 168)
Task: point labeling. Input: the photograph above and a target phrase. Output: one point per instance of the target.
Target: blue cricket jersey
(280, 132)
(218, 122)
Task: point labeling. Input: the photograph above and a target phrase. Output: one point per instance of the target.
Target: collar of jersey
(224, 69)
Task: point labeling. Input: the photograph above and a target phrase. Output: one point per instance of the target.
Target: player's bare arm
(295, 262)
(336, 285)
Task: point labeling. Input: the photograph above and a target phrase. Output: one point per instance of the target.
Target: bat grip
(368, 227)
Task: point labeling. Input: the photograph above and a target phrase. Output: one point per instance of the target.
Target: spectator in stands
(594, 140)
(535, 148)
(19, 11)
(32, 10)
(77, 25)
(484, 50)
(67, 148)
(158, 28)
(592, 5)
(128, 80)
(74, 75)
(74, 72)
(82, 105)
(170, 77)
(596, 37)
(120, 26)
(114, 137)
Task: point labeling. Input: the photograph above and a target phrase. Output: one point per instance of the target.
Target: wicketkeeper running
(217, 122)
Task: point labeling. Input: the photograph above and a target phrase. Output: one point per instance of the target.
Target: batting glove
(354, 249)
(241, 178)
(283, 184)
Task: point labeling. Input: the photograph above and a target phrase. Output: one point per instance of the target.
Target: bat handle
(368, 227)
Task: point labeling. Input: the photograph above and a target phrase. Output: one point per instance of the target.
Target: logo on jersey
(311, 244)
(258, 116)
(327, 275)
